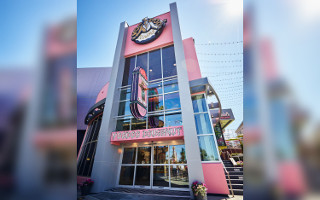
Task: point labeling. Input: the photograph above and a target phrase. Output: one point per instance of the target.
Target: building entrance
(155, 167)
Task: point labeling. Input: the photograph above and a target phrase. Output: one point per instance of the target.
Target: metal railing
(229, 180)
(226, 171)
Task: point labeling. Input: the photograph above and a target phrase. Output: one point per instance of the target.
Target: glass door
(154, 166)
(143, 167)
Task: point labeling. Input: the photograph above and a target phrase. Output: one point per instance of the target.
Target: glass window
(129, 156)
(178, 154)
(155, 65)
(128, 69)
(155, 103)
(97, 129)
(161, 176)
(179, 176)
(142, 61)
(170, 86)
(156, 121)
(161, 155)
(124, 108)
(123, 124)
(144, 155)
(137, 124)
(155, 88)
(173, 119)
(142, 175)
(219, 135)
(208, 150)
(172, 101)
(199, 103)
(203, 124)
(169, 62)
(126, 175)
(125, 94)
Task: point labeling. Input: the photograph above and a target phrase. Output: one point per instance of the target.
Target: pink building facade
(174, 143)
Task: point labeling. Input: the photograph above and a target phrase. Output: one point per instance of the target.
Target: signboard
(138, 99)
(148, 30)
(166, 133)
(227, 114)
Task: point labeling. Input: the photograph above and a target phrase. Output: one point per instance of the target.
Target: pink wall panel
(192, 63)
(103, 93)
(163, 40)
(214, 178)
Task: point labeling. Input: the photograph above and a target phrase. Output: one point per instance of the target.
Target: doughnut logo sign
(148, 30)
(139, 95)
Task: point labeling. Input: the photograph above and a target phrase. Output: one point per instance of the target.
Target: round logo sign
(148, 30)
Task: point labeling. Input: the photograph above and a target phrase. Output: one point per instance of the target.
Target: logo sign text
(166, 133)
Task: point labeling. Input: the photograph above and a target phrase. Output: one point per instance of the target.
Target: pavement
(130, 196)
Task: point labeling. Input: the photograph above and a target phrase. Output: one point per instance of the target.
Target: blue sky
(206, 21)
(22, 26)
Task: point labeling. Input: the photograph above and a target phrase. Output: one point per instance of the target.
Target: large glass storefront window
(206, 139)
(199, 103)
(167, 168)
(203, 123)
(207, 148)
(155, 65)
(158, 64)
(142, 61)
(128, 69)
(163, 91)
(173, 119)
(169, 62)
(88, 149)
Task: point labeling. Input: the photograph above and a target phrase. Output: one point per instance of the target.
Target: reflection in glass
(169, 62)
(142, 175)
(126, 175)
(161, 176)
(137, 124)
(172, 101)
(170, 86)
(155, 88)
(199, 103)
(128, 69)
(124, 108)
(155, 103)
(203, 124)
(173, 119)
(178, 154)
(161, 155)
(179, 176)
(142, 61)
(156, 121)
(144, 155)
(123, 124)
(129, 156)
(155, 65)
(208, 151)
(219, 135)
(125, 94)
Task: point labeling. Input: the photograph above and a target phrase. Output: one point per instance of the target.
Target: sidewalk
(125, 196)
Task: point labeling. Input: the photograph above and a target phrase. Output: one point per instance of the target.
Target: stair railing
(224, 167)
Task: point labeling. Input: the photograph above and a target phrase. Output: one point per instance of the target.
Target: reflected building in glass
(149, 152)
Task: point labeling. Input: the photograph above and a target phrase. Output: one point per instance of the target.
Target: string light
(220, 54)
(221, 61)
(220, 43)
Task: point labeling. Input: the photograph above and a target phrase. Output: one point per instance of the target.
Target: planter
(85, 189)
(200, 197)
